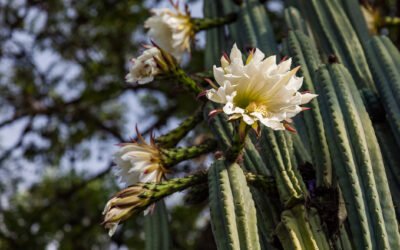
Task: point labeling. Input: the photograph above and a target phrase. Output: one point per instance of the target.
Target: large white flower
(259, 90)
(139, 162)
(172, 30)
(144, 67)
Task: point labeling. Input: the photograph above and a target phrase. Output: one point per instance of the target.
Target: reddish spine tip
(225, 55)
(284, 59)
(289, 128)
(203, 93)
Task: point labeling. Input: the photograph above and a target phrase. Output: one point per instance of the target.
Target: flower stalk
(171, 157)
(238, 143)
(184, 79)
(136, 198)
(172, 138)
(200, 24)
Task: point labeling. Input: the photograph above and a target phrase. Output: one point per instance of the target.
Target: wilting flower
(259, 90)
(139, 162)
(372, 18)
(172, 30)
(145, 67)
(122, 206)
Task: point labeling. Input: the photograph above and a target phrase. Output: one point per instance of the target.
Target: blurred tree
(63, 105)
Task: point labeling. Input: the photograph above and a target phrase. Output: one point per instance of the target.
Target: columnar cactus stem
(174, 136)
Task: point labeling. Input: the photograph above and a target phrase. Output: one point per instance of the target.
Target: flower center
(254, 107)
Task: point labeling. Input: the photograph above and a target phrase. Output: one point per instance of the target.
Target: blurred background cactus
(334, 184)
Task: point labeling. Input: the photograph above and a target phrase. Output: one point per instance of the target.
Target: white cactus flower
(139, 162)
(144, 67)
(121, 207)
(172, 30)
(259, 90)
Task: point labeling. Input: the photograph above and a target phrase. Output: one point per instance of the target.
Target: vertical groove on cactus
(387, 78)
(231, 203)
(222, 209)
(344, 164)
(378, 169)
(261, 26)
(305, 55)
(215, 37)
(274, 151)
(390, 153)
(362, 155)
(296, 232)
(156, 228)
(356, 17)
(335, 35)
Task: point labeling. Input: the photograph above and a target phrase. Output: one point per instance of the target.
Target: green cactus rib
(390, 153)
(231, 203)
(253, 28)
(377, 164)
(343, 241)
(174, 136)
(156, 229)
(249, 36)
(222, 209)
(295, 22)
(307, 56)
(295, 231)
(316, 226)
(302, 154)
(173, 156)
(366, 151)
(343, 162)
(262, 27)
(385, 61)
(215, 38)
(335, 35)
(274, 149)
(267, 206)
(356, 17)
(365, 155)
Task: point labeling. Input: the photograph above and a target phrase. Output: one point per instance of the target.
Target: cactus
(231, 203)
(156, 225)
(333, 185)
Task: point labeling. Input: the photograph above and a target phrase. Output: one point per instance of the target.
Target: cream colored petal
(284, 66)
(112, 227)
(247, 119)
(236, 54)
(307, 97)
(219, 75)
(150, 177)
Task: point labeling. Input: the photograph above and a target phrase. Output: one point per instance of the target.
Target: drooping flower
(122, 206)
(139, 162)
(145, 67)
(172, 30)
(372, 18)
(259, 90)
